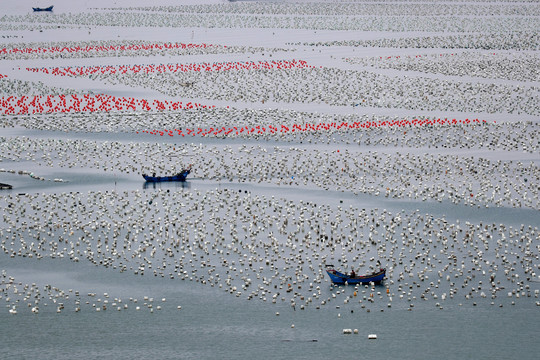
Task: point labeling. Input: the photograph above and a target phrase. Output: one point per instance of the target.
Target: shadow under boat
(167, 185)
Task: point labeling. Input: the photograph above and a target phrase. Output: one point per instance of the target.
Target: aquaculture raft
(341, 278)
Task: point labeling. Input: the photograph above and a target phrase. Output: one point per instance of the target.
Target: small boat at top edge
(43, 9)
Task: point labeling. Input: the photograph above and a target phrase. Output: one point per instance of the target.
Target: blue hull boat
(340, 278)
(181, 176)
(43, 9)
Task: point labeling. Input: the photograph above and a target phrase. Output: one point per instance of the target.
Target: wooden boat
(43, 9)
(181, 176)
(341, 278)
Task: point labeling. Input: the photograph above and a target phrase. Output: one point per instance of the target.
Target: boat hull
(179, 177)
(5, 186)
(340, 278)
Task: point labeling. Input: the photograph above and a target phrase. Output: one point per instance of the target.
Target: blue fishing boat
(341, 278)
(181, 176)
(43, 9)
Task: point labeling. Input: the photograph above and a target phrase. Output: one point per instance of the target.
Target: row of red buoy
(334, 126)
(37, 104)
(173, 68)
(103, 48)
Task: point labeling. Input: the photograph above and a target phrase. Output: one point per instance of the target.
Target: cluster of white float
(419, 175)
(501, 65)
(298, 17)
(23, 298)
(522, 39)
(347, 8)
(337, 87)
(15, 87)
(274, 250)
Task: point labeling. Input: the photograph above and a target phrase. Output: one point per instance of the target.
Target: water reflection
(167, 185)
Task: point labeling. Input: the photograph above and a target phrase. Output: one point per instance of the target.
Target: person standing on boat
(353, 274)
